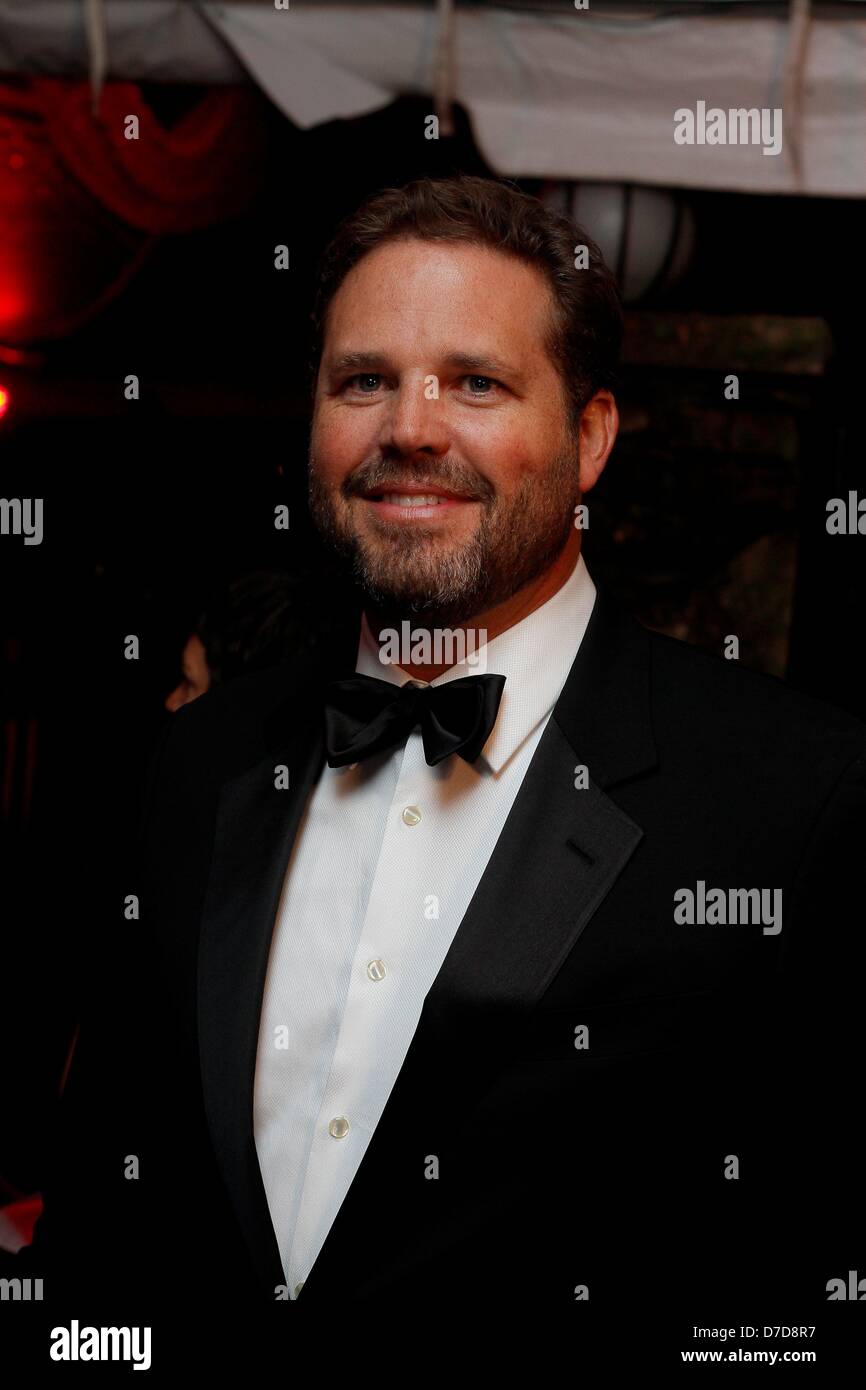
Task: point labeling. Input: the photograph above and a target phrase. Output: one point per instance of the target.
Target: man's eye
(480, 385)
(366, 382)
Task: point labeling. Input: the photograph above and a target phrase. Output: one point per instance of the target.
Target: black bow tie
(364, 716)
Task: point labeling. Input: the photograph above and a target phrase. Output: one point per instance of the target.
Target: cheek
(341, 439)
(508, 447)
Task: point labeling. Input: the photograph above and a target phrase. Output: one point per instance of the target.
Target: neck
(490, 622)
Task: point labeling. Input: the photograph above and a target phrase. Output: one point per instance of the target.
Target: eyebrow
(466, 361)
(483, 366)
(356, 362)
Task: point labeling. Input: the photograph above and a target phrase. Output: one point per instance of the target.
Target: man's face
(435, 377)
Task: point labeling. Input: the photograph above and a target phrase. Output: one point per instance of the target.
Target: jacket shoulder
(696, 689)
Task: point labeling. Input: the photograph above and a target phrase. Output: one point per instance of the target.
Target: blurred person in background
(249, 626)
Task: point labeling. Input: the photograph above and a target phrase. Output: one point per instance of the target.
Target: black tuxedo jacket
(700, 1151)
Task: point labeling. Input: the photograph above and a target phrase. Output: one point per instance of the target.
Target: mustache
(443, 473)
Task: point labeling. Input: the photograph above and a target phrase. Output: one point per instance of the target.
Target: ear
(597, 432)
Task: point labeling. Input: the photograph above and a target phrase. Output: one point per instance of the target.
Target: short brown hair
(586, 333)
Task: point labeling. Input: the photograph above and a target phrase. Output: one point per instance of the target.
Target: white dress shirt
(387, 858)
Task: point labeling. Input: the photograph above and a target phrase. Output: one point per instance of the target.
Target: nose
(416, 420)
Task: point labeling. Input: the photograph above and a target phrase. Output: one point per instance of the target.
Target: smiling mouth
(415, 505)
(412, 499)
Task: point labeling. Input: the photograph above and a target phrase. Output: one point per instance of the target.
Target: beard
(409, 569)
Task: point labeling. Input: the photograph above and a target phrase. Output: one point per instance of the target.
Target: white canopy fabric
(569, 94)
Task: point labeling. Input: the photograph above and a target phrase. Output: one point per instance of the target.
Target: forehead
(428, 292)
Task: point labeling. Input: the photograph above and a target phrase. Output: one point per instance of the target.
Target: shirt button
(376, 969)
(411, 815)
(298, 1288)
(339, 1128)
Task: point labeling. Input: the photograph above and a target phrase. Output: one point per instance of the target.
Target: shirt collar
(535, 656)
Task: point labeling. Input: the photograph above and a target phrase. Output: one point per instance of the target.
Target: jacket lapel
(561, 849)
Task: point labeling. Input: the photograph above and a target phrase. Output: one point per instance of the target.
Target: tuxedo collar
(535, 655)
(604, 708)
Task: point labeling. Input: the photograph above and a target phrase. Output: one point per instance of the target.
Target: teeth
(398, 500)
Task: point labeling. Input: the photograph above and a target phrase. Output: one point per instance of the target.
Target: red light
(4, 401)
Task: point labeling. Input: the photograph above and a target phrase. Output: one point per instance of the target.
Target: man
(521, 977)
